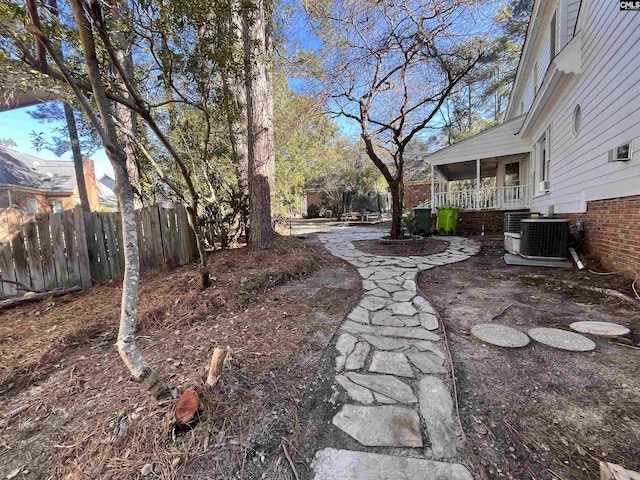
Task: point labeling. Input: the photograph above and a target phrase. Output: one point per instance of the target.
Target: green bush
(410, 223)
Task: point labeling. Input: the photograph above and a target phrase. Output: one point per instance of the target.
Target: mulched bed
(537, 412)
(421, 247)
(59, 360)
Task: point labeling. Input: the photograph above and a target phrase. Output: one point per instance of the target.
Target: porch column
(433, 187)
(477, 184)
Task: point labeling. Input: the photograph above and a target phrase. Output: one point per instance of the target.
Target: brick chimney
(89, 168)
(91, 182)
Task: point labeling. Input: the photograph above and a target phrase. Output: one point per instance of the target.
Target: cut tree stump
(612, 471)
(187, 407)
(215, 369)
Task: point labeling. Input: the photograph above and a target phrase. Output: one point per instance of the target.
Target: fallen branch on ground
(605, 291)
(36, 297)
(215, 369)
(19, 285)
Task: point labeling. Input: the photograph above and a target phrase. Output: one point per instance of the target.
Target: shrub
(313, 211)
(409, 222)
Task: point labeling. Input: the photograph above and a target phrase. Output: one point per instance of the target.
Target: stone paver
(358, 357)
(428, 321)
(394, 326)
(561, 339)
(386, 343)
(385, 426)
(332, 464)
(409, 332)
(601, 329)
(403, 308)
(345, 343)
(436, 408)
(373, 303)
(386, 385)
(500, 335)
(386, 318)
(359, 315)
(355, 391)
(426, 345)
(427, 362)
(392, 363)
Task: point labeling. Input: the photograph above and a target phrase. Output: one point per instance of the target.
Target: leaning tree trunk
(126, 344)
(397, 200)
(258, 48)
(131, 356)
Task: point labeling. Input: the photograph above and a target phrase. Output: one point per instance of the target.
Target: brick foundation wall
(493, 221)
(612, 229)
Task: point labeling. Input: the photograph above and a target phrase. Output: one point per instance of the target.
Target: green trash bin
(423, 220)
(448, 220)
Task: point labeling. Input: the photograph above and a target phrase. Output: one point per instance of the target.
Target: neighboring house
(38, 186)
(570, 143)
(107, 187)
(417, 185)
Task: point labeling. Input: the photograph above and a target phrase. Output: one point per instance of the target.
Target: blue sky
(16, 125)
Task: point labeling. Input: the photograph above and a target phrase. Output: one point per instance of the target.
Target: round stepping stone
(499, 335)
(601, 329)
(561, 339)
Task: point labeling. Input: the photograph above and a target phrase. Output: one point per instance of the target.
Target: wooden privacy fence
(57, 250)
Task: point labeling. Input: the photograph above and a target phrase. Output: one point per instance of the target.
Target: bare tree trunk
(77, 157)
(258, 46)
(72, 128)
(131, 356)
(235, 98)
(126, 118)
(397, 199)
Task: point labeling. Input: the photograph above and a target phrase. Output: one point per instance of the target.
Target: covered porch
(489, 171)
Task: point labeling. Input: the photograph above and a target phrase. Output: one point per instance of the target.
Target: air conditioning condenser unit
(544, 238)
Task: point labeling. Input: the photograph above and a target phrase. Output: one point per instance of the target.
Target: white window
(56, 206)
(32, 205)
(543, 163)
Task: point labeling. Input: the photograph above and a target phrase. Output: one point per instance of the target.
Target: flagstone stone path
(391, 367)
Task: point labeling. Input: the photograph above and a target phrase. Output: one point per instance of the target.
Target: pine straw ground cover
(59, 360)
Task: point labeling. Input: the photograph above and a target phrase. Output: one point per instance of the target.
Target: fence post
(82, 241)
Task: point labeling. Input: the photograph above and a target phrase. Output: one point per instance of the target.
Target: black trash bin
(423, 220)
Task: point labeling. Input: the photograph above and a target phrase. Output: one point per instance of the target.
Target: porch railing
(502, 198)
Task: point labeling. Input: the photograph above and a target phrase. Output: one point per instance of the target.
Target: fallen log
(36, 297)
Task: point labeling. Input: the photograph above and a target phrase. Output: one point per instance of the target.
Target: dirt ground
(276, 310)
(421, 247)
(538, 412)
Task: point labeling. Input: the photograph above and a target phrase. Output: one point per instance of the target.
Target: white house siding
(609, 94)
(529, 95)
(544, 58)
(573, 7)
